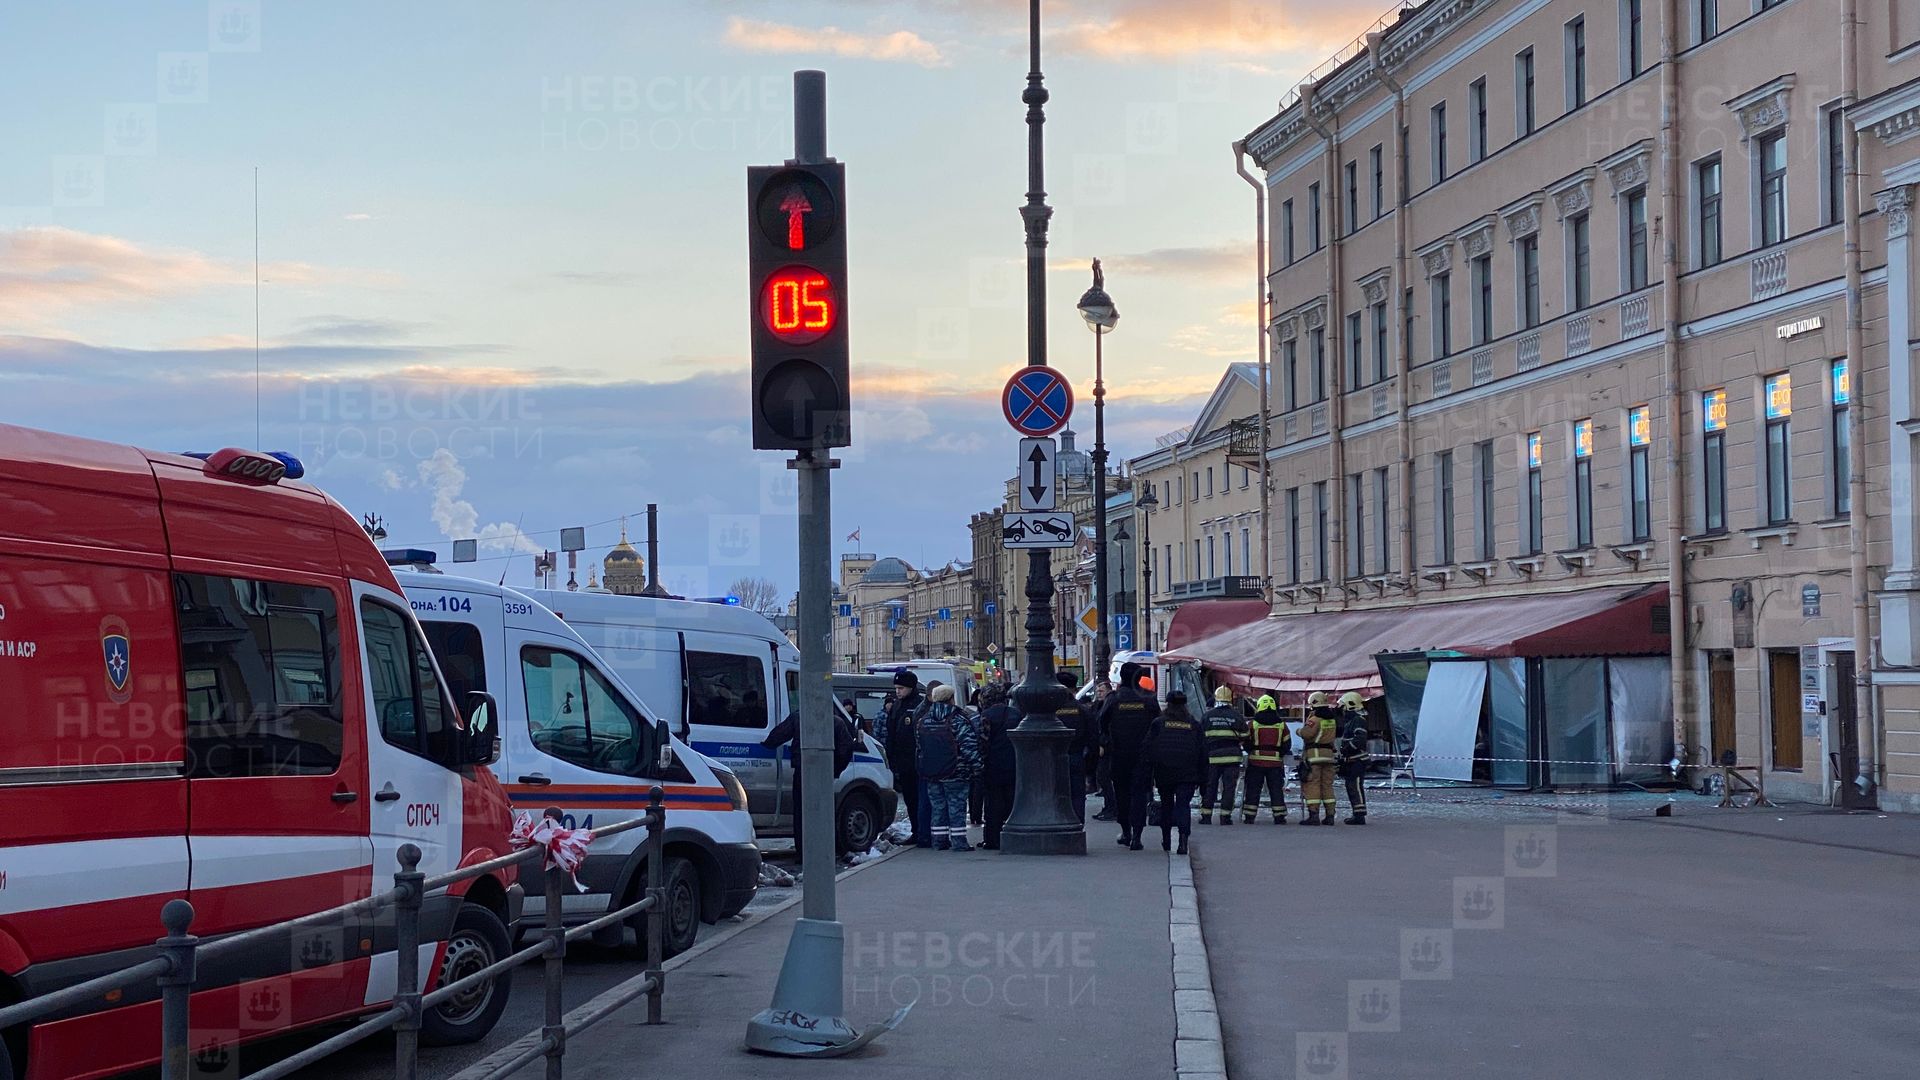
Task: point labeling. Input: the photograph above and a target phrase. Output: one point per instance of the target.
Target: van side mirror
(482, 743)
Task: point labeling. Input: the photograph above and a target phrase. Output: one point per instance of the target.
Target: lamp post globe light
(1096, 307)
(1146, 502)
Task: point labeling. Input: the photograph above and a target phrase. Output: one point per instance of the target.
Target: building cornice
(1892, 117)
(1477, 239)
(1523, 218)
(1374, 286)
(1573, 193)
(1437, 256)
(1764, 107)
(1628, 170)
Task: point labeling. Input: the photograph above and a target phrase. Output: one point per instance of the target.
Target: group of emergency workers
(1149, 750)
(1333, 738)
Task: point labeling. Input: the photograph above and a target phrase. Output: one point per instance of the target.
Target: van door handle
(344, 796)
(386, 794)
(536, 779)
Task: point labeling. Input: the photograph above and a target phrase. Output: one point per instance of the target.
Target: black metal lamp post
(1096, 307)
(1146, 502)
(1042, 821)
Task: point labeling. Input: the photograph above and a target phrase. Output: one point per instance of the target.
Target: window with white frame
(1442, 315)
(1706, 20)
(1477, 109)
(1633, 271)
(1524, 115)
(1840, 444)
(1377, 167)
(1639, 473)
(1321, 569)
(1437, 139)
(1481, 273)
(1583, 483)
(1632, 38)
(1579, 260)
(1484, 531)
(1293, 536)
(1574, 49)
(1246, 550)
(1352, 209)
(1536, 496)
(1770, 167)
(1527, 254)
(1356, 359)
(1380, 362)
(1286, 231)
(1833, 133)
(1290, 372)
(1443, 507)
(1356, 525)
(1713, 460)
(1779, 449)
(1317, 357)
(1706, 212)
(1382, 545)
(1313, 216)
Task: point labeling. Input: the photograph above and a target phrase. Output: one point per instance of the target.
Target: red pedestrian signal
(797, 266)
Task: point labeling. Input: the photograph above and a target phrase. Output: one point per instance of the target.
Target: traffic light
(797, 265)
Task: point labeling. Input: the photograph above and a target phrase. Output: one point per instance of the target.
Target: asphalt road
(1502, 940)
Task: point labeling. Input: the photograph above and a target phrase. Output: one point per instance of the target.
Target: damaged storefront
(1554, 690)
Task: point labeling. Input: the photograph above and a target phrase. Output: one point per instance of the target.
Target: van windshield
(575, 715)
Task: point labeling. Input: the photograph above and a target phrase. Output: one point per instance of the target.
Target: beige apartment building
(1579, 293)
(886, 610)
(1202, 537)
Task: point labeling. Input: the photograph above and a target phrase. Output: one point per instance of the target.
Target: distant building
(624, 571)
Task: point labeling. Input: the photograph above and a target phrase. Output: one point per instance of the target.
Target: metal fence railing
(179, 952)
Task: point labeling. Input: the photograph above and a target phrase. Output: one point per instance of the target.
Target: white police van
(575, 736)
(725, 676)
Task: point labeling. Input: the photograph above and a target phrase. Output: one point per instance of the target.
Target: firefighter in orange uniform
(1319, 753)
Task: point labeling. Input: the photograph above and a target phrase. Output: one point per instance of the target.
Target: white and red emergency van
(212, 688)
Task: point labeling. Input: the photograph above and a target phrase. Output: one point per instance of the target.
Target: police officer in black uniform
(896, 736)
(1083, 751)
(1124, 720)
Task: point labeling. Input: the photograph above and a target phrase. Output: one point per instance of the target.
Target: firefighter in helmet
(1225, 731)
(1319, 736)
(1267, 744)
(1354, 755)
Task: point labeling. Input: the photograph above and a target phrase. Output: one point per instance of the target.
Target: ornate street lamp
(1096, 307)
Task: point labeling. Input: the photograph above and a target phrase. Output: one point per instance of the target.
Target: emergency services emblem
(116, 652)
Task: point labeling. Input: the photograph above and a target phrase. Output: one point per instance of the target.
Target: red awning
(1335, 650)
(1199, 619)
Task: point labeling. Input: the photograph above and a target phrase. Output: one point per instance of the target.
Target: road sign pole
(805, 1017)
(1042, 821)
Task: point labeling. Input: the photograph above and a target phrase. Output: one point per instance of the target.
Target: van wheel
(681, 882)
(859, 822)
(478, 940)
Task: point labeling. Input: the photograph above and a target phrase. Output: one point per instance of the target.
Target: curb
(488, 1068)
(1198, 1052)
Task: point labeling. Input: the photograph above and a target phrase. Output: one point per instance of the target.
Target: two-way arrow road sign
(1037, 477)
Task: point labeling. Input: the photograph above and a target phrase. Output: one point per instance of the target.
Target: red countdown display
(798, 305)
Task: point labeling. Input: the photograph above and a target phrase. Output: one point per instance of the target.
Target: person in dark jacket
(896, 737)
(1177, 747)
(1099, 765)
(1083, 752)
(1123, 721)
(949, 757)
(1354, 755)
(1226, 729)
(845, 739)
(997, 717)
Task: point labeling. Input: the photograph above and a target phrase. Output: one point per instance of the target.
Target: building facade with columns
(1573, 294)
(886, 610)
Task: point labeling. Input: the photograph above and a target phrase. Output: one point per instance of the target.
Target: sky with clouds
(501, 246)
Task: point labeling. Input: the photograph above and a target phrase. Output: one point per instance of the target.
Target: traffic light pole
(805, 1018)
(1042, 821)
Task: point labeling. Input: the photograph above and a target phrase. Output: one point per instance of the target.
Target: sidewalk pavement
(1023, 967)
